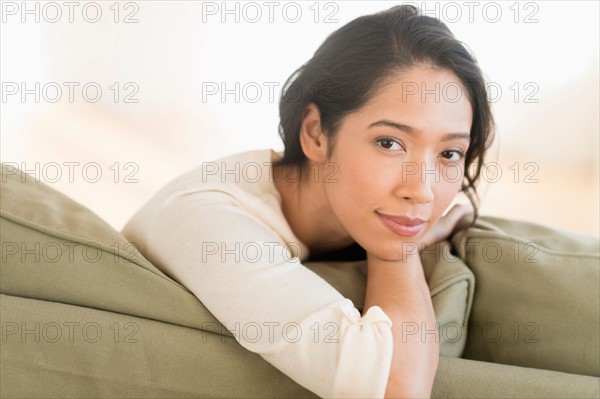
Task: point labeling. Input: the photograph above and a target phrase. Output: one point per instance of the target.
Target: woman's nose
(416, 181)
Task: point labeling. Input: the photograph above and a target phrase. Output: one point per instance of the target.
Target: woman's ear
(312, 138)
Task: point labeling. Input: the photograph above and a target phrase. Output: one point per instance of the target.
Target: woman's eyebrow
(396, 125)
(413, 132)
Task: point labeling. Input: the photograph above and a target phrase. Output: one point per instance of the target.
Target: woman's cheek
(441, 198)
(356, 178)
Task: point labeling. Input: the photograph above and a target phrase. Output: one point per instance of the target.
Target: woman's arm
(233, 263)
(400, 289)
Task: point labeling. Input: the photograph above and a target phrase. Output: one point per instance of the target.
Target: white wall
(176, 48)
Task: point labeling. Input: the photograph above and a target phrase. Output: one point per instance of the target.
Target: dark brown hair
(354, 61)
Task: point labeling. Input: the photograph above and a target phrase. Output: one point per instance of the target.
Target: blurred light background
(156, 117)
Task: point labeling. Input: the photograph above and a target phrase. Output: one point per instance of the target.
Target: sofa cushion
(537, 297)
(55, 249)
(450, 282)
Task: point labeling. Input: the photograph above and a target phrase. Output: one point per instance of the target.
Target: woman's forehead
(422, 100)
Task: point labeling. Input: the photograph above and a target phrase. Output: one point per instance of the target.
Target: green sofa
(84, 314)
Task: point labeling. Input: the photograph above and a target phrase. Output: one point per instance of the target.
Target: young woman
(376, 149)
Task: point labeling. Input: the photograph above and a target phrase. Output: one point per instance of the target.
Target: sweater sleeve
(237, 267)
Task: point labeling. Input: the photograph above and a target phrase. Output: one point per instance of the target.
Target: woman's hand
(459, 216)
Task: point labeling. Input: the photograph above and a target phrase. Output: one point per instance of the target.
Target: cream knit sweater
(219, 230)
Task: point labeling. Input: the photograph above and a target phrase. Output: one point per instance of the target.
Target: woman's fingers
(447, 223)
(458, 217)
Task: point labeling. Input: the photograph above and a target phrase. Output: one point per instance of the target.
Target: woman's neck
(305, 207)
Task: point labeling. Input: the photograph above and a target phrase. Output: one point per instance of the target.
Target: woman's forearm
(400, 290)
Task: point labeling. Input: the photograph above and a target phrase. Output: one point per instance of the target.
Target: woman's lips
(402, 225)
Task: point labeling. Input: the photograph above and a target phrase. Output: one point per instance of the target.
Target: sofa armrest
(463, 378)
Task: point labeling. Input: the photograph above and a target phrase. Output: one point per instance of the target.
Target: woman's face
(402, 154)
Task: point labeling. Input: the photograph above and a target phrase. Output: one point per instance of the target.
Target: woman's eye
(388, 144)
(453, 155)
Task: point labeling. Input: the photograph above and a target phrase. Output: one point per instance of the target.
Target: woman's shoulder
(238, 184)
(244, 176)
(247, 172)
